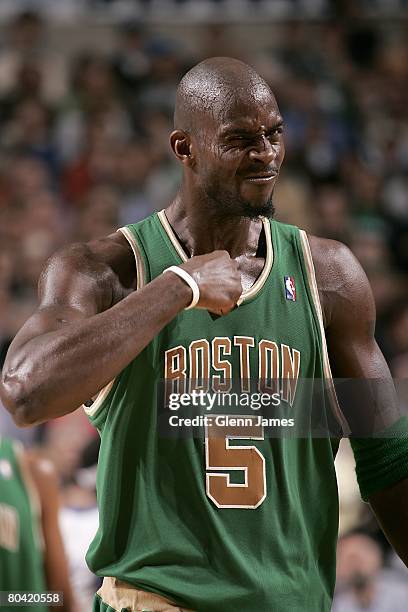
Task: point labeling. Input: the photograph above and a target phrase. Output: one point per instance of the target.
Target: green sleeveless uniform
(21, 554)
(250, 525)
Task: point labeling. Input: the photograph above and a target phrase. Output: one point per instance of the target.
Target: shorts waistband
(118, 595)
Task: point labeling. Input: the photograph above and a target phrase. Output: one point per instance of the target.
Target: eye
(238, 141)
(276, 131)
(238, 137)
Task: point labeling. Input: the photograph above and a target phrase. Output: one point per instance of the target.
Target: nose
(264, 150)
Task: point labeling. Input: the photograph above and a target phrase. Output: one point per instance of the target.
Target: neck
(202, 229)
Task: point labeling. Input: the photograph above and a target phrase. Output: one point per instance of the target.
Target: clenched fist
(218, 279)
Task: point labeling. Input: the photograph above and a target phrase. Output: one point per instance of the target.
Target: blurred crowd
(84, 149)
(210, 9)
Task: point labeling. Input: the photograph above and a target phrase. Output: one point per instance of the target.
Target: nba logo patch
(290, 288)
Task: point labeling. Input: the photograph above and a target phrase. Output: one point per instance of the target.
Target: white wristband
(190, 281)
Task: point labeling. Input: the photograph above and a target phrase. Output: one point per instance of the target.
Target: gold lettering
(221, 365)
(244, 343)
(175, 370)
(199, 376)
(290, 373)
(268, 367)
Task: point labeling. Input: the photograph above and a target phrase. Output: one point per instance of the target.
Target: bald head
(211, 86)
(228, 136)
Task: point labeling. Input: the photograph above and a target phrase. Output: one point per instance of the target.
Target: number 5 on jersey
(221, 458)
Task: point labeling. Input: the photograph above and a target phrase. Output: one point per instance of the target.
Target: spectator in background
(28, 86)
(92, 109)
(134, 166)
(28, 132)
(362, 583)
(131, 61)
(25, 42)
(166, 67)
(99, 215)
(79, 515)
(333, 210)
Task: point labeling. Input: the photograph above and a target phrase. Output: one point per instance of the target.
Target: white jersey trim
(311, 274)
(99, 399)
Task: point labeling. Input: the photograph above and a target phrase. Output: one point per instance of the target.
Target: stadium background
(86, 97)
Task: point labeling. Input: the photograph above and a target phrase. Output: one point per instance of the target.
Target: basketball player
(32, 556)
(176, 530)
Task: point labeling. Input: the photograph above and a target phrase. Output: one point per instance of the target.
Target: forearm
(391, 509)
(54, 373)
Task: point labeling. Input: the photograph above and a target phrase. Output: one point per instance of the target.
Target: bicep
(353, 350)
(356, 354)
(363, 380)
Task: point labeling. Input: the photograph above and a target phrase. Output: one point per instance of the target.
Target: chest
(250, 269)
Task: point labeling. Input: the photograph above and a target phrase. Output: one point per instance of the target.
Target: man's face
(239, 153)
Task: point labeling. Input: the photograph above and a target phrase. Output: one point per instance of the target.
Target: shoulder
(102, 266)
(341, 281)
(110, 252)
(335, 264)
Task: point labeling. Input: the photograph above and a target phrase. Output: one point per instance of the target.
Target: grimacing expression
(239, 154)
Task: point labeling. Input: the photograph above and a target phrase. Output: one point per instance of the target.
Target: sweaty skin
(91, 323)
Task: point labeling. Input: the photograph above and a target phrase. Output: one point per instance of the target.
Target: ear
(180, 142)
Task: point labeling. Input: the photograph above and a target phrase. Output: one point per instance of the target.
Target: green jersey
(21, 544)
(240, 521)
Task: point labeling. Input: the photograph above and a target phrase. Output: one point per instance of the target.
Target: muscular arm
(91, 323)
(349, 314)
(55, 563)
